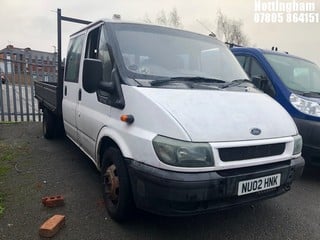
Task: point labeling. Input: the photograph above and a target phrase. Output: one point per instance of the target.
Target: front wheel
(116, 185)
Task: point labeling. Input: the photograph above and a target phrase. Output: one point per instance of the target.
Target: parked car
(295, 83)
(167, 118)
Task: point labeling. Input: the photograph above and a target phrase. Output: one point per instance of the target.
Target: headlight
(305, 106)
(183, 154)
(297, 147)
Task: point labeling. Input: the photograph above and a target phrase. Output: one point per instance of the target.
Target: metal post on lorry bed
(68, 19)
(59, 45)
(59, 60)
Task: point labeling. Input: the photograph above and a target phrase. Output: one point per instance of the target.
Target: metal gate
(18, 70)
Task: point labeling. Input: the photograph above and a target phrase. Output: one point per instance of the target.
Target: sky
(32, 23)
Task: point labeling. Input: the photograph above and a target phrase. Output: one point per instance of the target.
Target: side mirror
(92, 74)
(259, 82)
(264, 85)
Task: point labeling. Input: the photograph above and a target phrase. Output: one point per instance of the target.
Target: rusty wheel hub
(112, 183)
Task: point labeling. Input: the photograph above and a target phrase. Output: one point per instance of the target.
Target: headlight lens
(297, 147)
(305, 106)
(183, 154)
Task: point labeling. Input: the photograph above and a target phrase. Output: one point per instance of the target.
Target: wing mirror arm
(107, 86)
(260, 82)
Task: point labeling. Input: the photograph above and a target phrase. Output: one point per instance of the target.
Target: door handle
(79, 94)
(65, 90)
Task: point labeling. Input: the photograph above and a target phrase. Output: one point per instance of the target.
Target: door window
(244, 62)
(97, 48)
(241, 60)
(257, 71)
(73, 59)
(104, 56)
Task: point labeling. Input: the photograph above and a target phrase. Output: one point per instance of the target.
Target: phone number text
(309, 17)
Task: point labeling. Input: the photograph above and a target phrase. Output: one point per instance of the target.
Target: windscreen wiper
(311, 94)
(237, 82)
(186, 79)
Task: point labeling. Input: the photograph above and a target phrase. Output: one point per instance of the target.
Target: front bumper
(310, 132)
(177, 194)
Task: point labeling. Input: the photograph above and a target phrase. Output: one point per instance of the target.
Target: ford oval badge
(255, 131)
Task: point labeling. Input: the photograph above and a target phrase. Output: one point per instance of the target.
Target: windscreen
(152, 52)
(297, 74)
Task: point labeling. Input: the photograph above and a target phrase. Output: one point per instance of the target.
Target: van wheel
(116, 185)
(59, 132)
(48, 124)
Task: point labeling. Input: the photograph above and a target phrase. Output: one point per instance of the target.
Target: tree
(166, 19)
(175, 19)
(147, 19)
(230, 30)
(162, 18)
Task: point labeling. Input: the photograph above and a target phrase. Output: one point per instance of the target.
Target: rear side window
(73, 59)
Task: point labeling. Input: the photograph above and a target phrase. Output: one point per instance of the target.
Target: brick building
(26, 61)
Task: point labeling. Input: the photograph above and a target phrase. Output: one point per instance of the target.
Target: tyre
(59, 132)
(116, 185)
(48, 124)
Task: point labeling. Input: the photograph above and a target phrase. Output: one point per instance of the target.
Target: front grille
(244, 153)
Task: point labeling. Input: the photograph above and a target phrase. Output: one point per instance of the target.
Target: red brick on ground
(53, 201)
(50, 227)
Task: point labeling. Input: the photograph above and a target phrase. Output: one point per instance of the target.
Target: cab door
(94, 112)
(70, 100)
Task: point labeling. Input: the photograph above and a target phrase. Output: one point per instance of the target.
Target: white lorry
(171, 120)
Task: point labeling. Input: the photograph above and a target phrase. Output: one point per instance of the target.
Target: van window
(92, 44)
(104, 56)
(256, 70)
(97, 48)
(73, 59)
(244, 62)
(241, 60)
(297, 74)
(151, 53)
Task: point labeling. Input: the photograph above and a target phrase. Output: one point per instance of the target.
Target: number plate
(258, 184)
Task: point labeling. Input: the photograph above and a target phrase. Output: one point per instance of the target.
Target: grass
(1, 204)
(7, 154)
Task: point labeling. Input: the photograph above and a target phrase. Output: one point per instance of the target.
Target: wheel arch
(110, 138)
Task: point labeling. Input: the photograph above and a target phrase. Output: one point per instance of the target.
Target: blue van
(292, 81)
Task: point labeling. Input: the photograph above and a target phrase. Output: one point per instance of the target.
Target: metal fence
(18, 73)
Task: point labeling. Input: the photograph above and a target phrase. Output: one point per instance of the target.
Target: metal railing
(18, 72)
